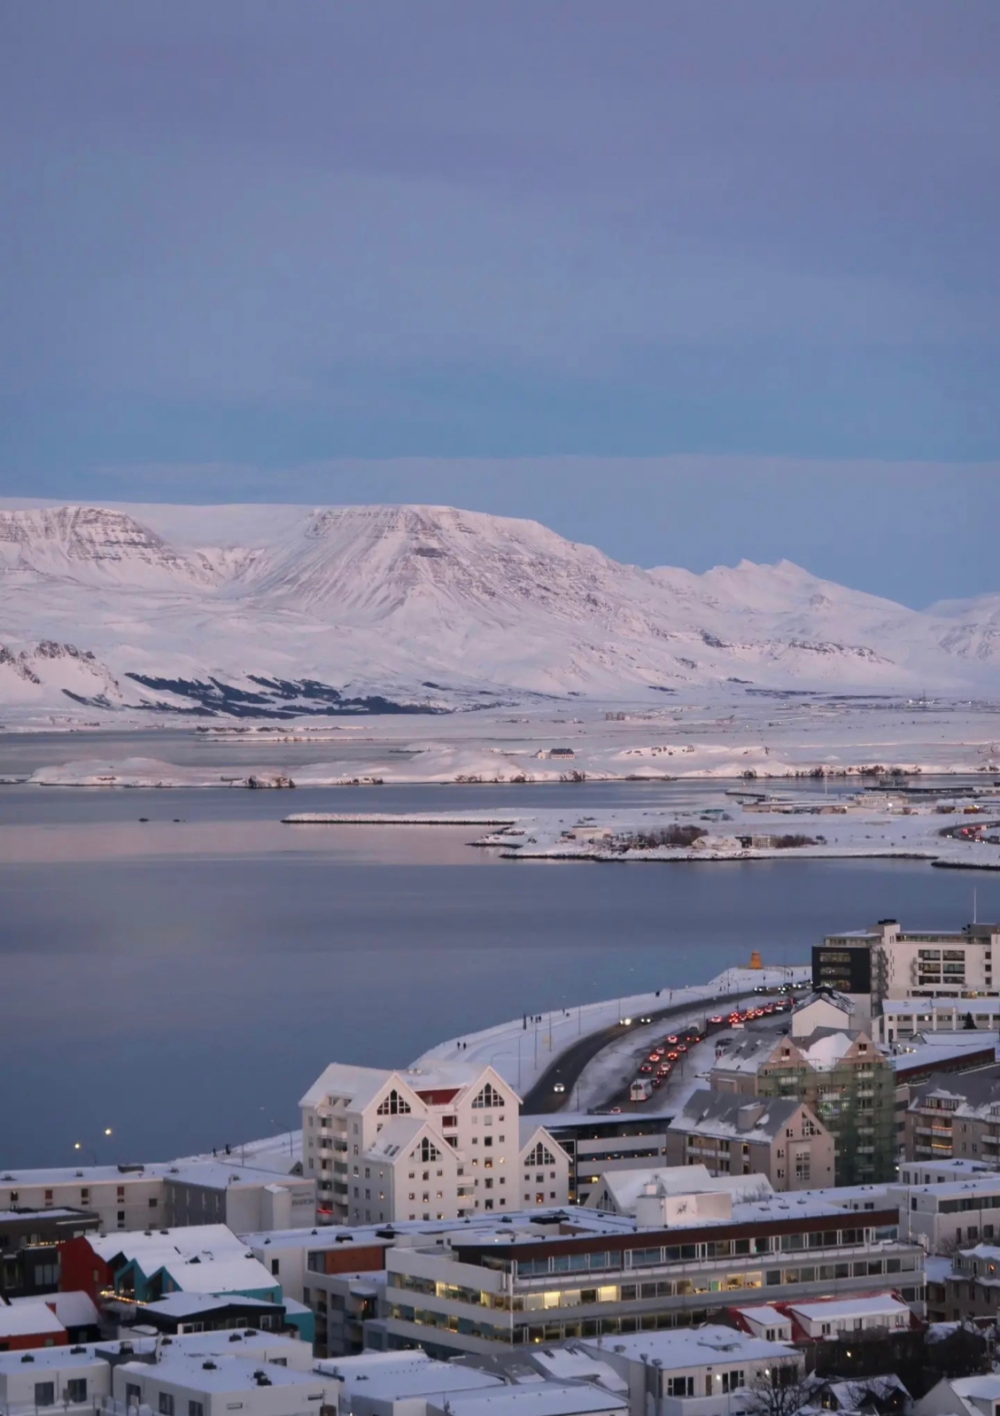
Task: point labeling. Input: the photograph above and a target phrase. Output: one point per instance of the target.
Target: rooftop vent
(208, 1366)
(27, 1357)
(235, 1337)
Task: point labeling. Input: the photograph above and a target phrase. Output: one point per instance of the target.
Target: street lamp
(79, 1146)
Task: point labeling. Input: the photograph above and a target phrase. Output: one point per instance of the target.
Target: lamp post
(79, 1146)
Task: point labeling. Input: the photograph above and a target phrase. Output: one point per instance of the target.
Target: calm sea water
(184, 981)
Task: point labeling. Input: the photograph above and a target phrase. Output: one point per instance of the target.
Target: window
(275, 1267)
(195, 1408)
(76, 1389)
(428, 1151)
(48, 1197)
(680, 1386)
(539, 1156)
(166, 1404)
(393, 1105)
(489, 1097)
(45, 1393)
(152, 1204)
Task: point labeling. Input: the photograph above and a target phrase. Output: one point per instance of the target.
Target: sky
(691, 279)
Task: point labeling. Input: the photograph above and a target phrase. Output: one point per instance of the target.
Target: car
(718, 1020)
(673, 1038)
(655, 1056)
(559, 1087)
(646, 1067)
(657, 1081)
(682, 1047)
(665, 1069)
(645, 1020)
(673, 1056)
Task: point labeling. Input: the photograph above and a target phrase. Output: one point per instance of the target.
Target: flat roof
(395, 1375)
(697, 1346)
(229, 1372)
(849, 1307)
(540, 1399)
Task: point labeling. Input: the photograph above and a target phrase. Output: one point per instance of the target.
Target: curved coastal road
(542, 1099)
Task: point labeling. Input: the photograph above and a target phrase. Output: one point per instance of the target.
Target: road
(543, 1099)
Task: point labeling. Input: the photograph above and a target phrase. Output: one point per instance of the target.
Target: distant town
(786, 1199)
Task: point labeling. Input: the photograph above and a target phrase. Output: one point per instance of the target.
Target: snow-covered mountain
(277, 610)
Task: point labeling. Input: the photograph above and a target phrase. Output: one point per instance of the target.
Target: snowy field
(716, 733)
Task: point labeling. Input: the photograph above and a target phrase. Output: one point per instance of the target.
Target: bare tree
(780, 1390)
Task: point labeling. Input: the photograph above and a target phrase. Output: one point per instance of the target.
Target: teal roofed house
(197, 1259)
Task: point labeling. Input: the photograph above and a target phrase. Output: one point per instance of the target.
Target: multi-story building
(427, 1143)
(942, 1214)
(955, 1117)
(840, 1076)
(887, 962)
(736, 1135)
(135, 1197)
(29, 1247)
(597, 1144)
(476, 1292)
(972, 1288)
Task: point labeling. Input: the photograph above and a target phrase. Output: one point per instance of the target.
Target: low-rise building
(657, 1198)
(402, 1383)
(61, 1375)
(29, 1323)
(770, 1136)
(179, 1383)
(961, 1396)
(706, 1370)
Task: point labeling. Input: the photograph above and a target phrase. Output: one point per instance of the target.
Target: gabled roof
(722, 1115)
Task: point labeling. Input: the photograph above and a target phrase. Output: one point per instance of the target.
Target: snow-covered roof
(61, 1358)
(362, 1084)
(28, 1319)
(626, 1186)
(762, 1313)
(720, 1114)
(392, 1376)
(539, 1399)
(395, 1135)
(185, 1304)
(72, 1309)
(701, 1346)
(835, 1308)
(152, 1249)
(574, 1364)
(228, 1373)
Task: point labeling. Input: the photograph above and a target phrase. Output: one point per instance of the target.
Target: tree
(779, 1390)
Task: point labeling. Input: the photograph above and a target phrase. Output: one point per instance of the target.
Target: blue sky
(724, 274)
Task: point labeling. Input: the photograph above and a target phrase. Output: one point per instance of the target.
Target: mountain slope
(276, 610)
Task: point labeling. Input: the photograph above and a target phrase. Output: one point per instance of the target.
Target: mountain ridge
(421, 606)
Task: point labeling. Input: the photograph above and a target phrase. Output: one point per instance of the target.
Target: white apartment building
(706, 1370)
(200, 1191)
(907, 964)
(438, 1142)
(179, 1383)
